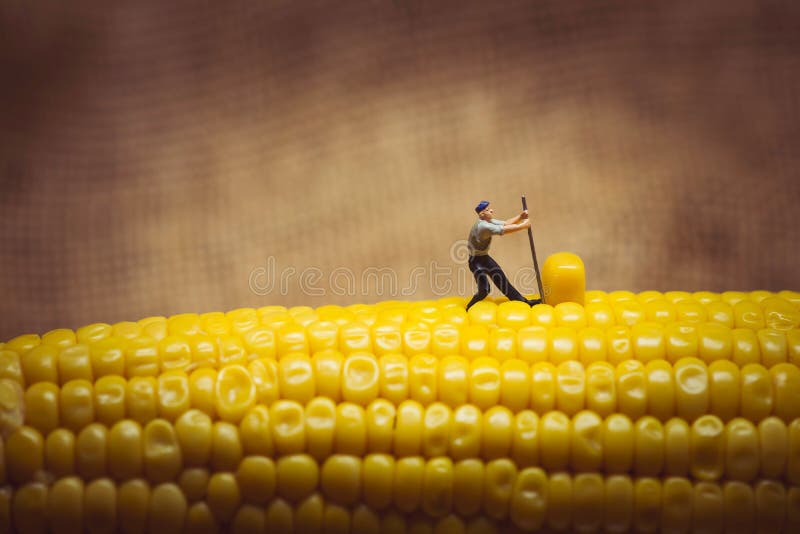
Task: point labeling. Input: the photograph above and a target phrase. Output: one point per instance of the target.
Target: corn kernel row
(688, 389)
(708, 449)
(407, 496)
(645, 342)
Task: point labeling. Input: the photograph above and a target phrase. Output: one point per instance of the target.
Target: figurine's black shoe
(533, 302)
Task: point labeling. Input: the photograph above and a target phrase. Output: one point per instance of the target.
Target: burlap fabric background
(163, 157)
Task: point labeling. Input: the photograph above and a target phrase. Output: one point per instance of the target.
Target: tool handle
(533, 253)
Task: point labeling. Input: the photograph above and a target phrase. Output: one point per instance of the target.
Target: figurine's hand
(526, 223)
(523, 215)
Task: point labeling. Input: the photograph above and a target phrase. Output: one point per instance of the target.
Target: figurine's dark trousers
(484, 268)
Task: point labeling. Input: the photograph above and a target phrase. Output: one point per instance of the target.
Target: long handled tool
(533, 253)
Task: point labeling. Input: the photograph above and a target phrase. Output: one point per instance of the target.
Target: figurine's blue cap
(482, 205)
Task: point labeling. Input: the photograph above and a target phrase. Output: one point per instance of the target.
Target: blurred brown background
(158, 159)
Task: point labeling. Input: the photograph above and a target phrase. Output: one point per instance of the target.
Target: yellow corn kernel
(257, 479)
(353, 337)
(340, 479)
(499, 478)
(588, 496)
(564, 278)
(154, 327)
(484, 382)
(773, 443)
(690, 311)
(741, 450)
(647, 505)
(202, 389)
(231, 350)
(618, 504)
(780, 314)
(628, 312)
(502, 344)
(677, 499)
(59, 452)
(757, 394)
(748, 314)
(24, 343)
(631, 388)
(407, 483)
(226, 446)
(141, 398)
(173, 394)
(543, 387)
(175, 353)
(483, 312)
(528, 504)
(792, 471)
(124, 452)
(380, 419)
(141, 357)
(110, 399)
(648, 342)
(185, 324)
(691, 388)
(40, 364)
(249, 518)
(599, 314)
(387, 338)
(563, 344)
(167, 509)
(532, 344)
(601, 394)
(108, 356)
(161, 451)
(11, 368)
(677, 443)
(297, 476)
(223, 496)
(320, 425)
(513, 314)
(422, 378)
(90, 451)
(92, 333)
(554, 440)
(394, 378)
(361, 378)
(475, 340)
(205, 352)
(525, 440)
(350, 435)
(659, 310)
(707, 508)
(721, 313)
(786, 388)
(100, 506)
(660, 389)
(260, 342)
(307, 515)
(648, 446)
(466, 433)
(739, 503)
(77, 404)
(235, 393)
(468, 484)
(707, 448)
(586, 443)
(29, 508)
(515, 385)
(378, 470)
(288, 427)
(591, 345)
(681, 341)
(559, 501)
(746, 348)
(416, 339)
(133, 499)
(773, 347)
(770, 505)
(74, 362)
(595, 295)
(543, 315)
(445, 339)
(618, 343)
(570, 387)
(436, 427)
(621, 296)
(452, 380)
(724, 383)
(194, 483)
(617, 443)
(497, 432)
(570, 314)
(408, 428)
(793, 509)
(296, 378)
(280, 517)
(42, 407)
(194, 431)
(24, 454)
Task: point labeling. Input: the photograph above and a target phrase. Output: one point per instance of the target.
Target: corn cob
(412, 416)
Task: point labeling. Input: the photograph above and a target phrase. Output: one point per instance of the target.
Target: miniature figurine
(482, 265)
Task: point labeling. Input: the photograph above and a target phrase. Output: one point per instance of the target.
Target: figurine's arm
(511, 228)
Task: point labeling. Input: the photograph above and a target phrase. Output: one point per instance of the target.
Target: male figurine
(481, 264)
